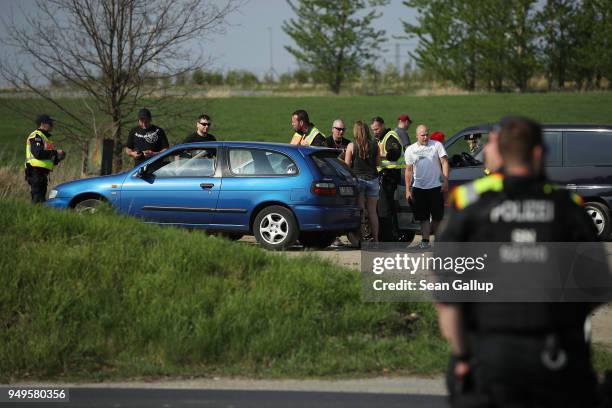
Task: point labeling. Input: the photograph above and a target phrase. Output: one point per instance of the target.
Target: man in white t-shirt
(427, 174)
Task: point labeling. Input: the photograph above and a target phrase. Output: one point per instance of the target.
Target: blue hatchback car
(277, 192)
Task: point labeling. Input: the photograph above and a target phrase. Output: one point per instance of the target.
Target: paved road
(179, 398)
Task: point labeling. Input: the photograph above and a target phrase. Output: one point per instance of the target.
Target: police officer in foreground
(389, 172)
(41, 158)
(517, 354)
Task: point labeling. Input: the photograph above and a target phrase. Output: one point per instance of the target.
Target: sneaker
(337, 243)
(423, 245)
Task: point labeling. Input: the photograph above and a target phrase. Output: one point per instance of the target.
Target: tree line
(475, 44)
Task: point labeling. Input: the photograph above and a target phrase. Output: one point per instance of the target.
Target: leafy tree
(448, 39)
(301, 76)
(472, 41)
(593, 58)
(557, 26)
(522, 32)
(197, 77)
(335, 39)
(213, 78)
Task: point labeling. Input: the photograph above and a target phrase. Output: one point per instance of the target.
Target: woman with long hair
(363, 156)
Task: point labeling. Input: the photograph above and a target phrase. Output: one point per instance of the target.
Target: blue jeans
(370, 188)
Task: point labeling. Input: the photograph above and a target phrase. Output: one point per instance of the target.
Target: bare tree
(113, 52)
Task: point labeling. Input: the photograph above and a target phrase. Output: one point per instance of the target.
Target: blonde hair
(361, 135)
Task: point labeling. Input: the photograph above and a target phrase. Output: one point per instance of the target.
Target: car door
(587, 162)
(254, 175)
(180, 188)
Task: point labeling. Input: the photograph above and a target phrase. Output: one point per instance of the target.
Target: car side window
(259, 162)
(194, 162)
(463, 152)
(587, 149)
(552, 141)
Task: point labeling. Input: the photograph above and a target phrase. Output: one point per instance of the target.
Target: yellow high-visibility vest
(389, 164)
(308, 138)
(33, 161)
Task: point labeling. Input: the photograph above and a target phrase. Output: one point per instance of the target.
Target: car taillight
(324, 189)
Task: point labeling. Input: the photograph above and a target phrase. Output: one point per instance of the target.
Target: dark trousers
(509, 371)
(38, 180)
(388, 206)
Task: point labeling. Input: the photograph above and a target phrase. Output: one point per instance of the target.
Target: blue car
(277, 192)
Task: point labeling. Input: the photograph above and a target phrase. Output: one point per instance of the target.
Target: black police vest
(488, 224)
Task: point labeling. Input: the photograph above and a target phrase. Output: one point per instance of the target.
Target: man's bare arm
(408, 179)
(451, 327)
(445, 171)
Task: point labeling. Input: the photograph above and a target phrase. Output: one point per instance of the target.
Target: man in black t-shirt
(201, 134)
(337, 139)
(145, 140)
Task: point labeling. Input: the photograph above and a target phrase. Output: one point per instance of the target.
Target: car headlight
(52, 194)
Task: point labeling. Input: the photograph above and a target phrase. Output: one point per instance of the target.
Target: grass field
(103, 296)
(268, 118)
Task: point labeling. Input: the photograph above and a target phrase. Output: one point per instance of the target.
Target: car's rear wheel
(600, 215)
(317, 240)
(275, 228)
(88, 206)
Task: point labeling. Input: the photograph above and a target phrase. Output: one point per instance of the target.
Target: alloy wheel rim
(597, 217)
(274, 228)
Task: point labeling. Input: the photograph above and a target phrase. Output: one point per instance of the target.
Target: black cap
(44, 118)
(472, 136)
(144, 113)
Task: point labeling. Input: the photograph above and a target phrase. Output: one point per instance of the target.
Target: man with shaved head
(337, 139)
(427, 174)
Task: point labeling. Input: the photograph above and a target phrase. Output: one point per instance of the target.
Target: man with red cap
(437, 136)
(403, 123)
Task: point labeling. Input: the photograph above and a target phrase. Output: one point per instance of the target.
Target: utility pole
(271, 71)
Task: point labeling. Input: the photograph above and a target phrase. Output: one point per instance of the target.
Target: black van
(579, 158)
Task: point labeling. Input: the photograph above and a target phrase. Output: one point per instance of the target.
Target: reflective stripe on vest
(469, 193)
(388, 164)
(33, 161)
(311, 135)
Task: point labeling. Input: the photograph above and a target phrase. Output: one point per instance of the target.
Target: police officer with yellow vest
(389, 172)
(518, 353)
(306, 134)
(41, 157)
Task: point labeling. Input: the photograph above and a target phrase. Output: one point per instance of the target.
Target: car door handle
(206, 185)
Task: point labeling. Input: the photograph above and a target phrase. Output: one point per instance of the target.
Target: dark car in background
(578, 157)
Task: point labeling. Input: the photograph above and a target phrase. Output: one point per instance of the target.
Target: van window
(587, 148)
(552, 141)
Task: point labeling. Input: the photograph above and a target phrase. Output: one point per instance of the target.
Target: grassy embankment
(109, 297)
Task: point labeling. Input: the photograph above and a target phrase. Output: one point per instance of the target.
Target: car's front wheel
(600, 215)
(88, 206)
(275, 228)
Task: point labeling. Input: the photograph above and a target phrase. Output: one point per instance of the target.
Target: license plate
(347, 191)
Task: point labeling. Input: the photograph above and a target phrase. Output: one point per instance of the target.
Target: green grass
(106, 296)
(268, 118)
